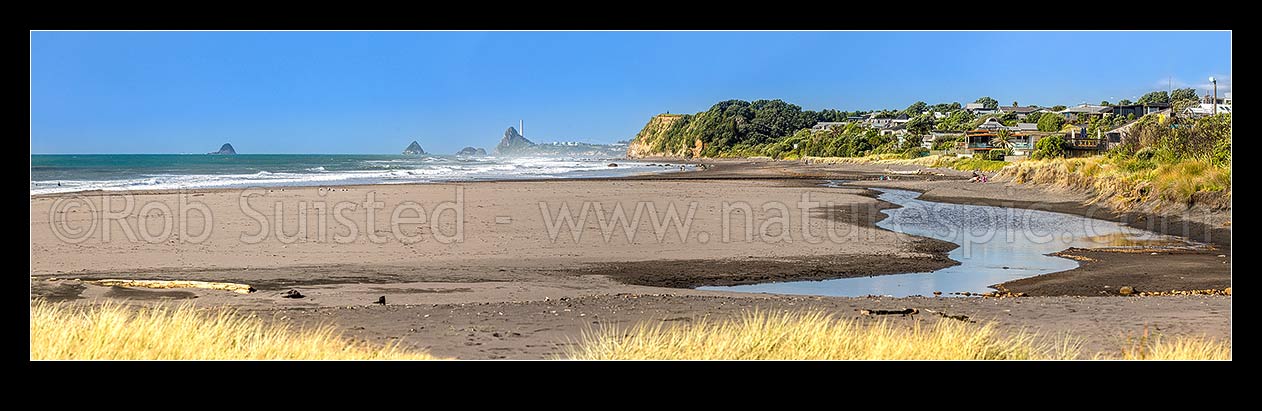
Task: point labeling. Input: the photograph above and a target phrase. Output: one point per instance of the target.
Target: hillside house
(1022, 112)
(978, 109)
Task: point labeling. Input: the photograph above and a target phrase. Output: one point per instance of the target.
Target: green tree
(1182, 94)
(1034, 117)
(916, 108)
(1105, 103)
(1156, 97)
(1125, 102)
(988, 102)
(1050, 147)
(1051, 122)
(920, 125)
(1057, 108)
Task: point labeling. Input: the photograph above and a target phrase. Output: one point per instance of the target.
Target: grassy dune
(815, 336)
(1130, 183)
(116, 332)
(939, 161)
(1178, 348)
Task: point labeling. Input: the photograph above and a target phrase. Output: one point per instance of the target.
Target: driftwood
(903, 312)
(959, 317)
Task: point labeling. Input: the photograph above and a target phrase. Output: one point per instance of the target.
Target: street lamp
(1215, 83)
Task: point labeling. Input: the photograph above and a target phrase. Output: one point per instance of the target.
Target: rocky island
(414, 149)
(514, 144)
(471, 151)
(226, 149)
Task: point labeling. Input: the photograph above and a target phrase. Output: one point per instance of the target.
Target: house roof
(991, 123)
(1208, 109)
(974, 106)
(1087, 108)
(1028, 126)
(1022, 110)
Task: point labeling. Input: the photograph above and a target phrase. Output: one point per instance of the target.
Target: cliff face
(512, 143)
(226, 149)
(657, 139)
(413, 150)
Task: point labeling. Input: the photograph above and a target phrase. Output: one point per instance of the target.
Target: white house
(1205, 110)
(978, 109)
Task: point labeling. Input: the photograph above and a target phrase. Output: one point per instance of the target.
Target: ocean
(56, 173)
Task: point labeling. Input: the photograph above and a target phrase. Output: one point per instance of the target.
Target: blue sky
(374, 92)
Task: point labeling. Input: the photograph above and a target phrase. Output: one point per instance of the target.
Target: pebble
(1126, 290)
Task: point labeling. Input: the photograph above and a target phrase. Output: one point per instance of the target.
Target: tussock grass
(1178, 348)
(1129, 183)
(938, 161)
(116, 332)
(814, 336)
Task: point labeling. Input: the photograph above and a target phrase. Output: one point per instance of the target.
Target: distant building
(1027, 127)
(934, 136)
(982, 139)
(978, 109)
(895, 130)
(1022, 112)
(1138, 110)
(1204, 110)
(1115, 136)
(1083, 111)
(888, 122)
(825, 125)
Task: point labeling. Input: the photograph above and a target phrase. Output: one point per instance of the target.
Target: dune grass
(1128, 183)
(61, 331)
(937, 161)
(815, 336)
(1178, 348)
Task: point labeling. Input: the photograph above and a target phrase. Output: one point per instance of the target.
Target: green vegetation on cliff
(774, 128)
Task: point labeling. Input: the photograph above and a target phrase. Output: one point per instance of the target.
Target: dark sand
(532, 302)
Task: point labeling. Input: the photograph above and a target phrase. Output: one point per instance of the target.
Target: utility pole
(1215, 83)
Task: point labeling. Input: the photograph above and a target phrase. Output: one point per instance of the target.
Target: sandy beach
(484, 270)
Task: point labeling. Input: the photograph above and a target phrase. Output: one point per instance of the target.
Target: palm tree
(1002, 140)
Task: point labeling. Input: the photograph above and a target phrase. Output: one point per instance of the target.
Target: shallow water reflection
(997, 244)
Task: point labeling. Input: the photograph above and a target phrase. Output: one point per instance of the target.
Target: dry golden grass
(116, 332)
(1127, 183)
(1178, 348)
(815, 336)
(935, 161)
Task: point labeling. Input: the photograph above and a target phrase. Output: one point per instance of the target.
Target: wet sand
(509, 275)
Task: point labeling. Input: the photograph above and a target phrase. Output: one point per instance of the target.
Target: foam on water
(63, 177)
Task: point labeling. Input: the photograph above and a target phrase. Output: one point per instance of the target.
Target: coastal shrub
(995, 155)
(814, 335)
(916, 152)
(65, 331)
(946, 143)
(1050, 122)
(1053, 146)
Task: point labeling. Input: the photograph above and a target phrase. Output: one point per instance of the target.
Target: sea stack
(413, 150)
(512, 143)
(226, 149)
(470, 151)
